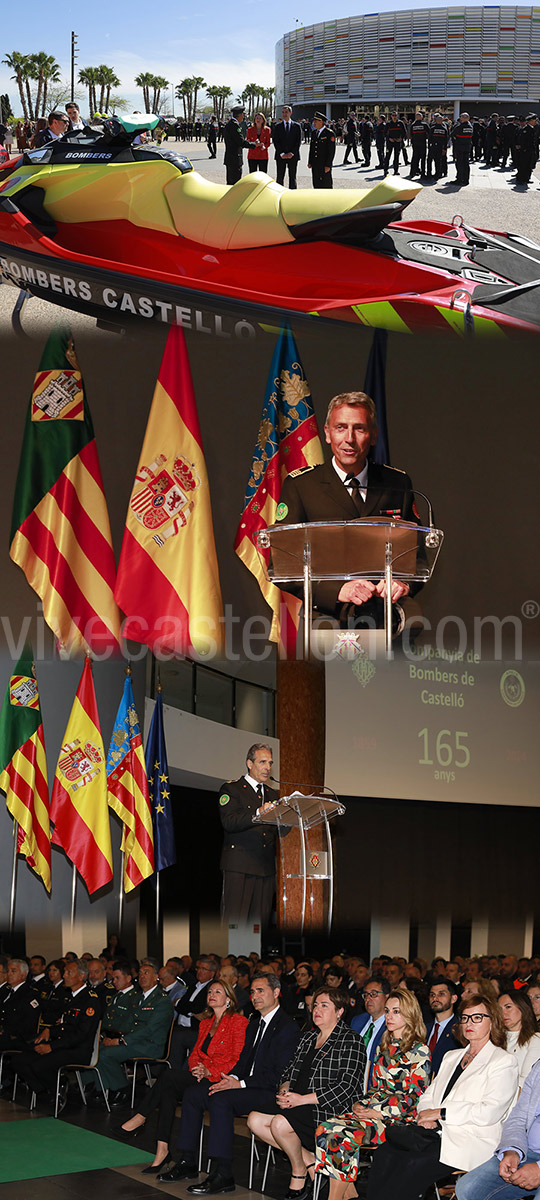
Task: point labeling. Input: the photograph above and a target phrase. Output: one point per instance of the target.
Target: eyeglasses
(371, 995)
(475, 1018)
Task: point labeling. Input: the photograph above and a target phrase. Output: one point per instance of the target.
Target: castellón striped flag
(60, 534)
(79, 809)
(168, 581)
(288, 439)
(23, 767)
(127, 784)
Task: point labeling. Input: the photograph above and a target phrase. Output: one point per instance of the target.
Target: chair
(150, 1062)
(254, 1154)
(77, 1067)
(445, 1189)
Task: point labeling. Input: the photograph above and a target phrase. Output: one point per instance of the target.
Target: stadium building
(475, 59)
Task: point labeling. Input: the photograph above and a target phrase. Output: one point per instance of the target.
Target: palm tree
(225, 94)
(214, 94)
(198, 82)
(88, 78)
(145, 81)
(159, 84)
(17, 63)
(184, 92)
(107, 78)
(51, 74)
(44, 67)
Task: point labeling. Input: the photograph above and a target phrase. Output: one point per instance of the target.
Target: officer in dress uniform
(351, 133)
(438, 141)
(321, 152)
(462, 135)
(119, 1015)
(20, 1009)
(234, 144)
(526, 156)
(396, 135)
(248, 860)
(70, 1040)
(150, 1022)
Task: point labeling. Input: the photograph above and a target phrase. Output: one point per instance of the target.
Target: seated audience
(400, 1075)
(324, 1077)
(442, 1030)
(533, 992)
(371, 1025)
(460, 1114)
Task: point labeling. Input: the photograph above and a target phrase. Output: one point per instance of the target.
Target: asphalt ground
(491, 201)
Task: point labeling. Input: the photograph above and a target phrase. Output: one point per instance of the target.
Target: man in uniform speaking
(248, 860)
(347, 488)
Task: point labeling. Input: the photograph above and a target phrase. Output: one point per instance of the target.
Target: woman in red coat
(259, 135)
(221, 1038)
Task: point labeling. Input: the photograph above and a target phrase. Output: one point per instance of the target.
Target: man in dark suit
(441, 1036)
(57, 126)
(234, 144)
(349, 487)
(371, 1024)
(248, 860)
(286, 138)
(269, 1046)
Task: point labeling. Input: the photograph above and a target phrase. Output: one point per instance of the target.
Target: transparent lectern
(305, 813)
(369, 548)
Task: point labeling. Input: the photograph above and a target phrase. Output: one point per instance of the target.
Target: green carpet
(32, 1149)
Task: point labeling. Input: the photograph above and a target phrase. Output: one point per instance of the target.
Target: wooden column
(301, 729)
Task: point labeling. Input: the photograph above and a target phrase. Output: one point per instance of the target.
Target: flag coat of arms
(288, 439)
(168, 580)
(60, 534)
(128, 791)
(157, 770)
(79, 809)
(23, 767)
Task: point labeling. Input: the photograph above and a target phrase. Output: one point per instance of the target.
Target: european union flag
(160, 793)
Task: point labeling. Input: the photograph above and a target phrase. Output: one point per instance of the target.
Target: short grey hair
(250, 756)
(354, 400)
(20, 962)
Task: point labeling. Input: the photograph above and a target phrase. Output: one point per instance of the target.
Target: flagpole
(73, 894)
(13, 879)
(121, 895)
(157, 903)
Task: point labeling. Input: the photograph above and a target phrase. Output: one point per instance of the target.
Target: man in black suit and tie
(271, 1040)
(287, 136)
(441, 1035)
(349, 487)
(248, 859)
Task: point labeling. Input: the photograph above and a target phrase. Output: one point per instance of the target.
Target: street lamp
(74, 40)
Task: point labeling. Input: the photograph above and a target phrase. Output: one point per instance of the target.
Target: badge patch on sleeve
(281, 511)
(224, 799)
(90, 1012)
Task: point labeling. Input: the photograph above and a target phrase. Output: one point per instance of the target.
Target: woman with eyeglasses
(522, 1036)
(460, 1114)
(400, 1075)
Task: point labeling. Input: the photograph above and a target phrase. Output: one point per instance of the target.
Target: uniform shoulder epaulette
(301, 471)
(399, 470)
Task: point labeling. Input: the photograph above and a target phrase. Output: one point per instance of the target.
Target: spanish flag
(129, 798)
(168, 581)
(79, 810)
(60, 534)
(23, 767)
(288, 438)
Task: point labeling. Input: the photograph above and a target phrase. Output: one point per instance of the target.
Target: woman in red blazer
(259, 135)
(218, 1047)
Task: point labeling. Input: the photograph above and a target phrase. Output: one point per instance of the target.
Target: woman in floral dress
(401, 1073)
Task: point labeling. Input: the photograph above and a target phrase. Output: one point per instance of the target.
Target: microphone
(293, 783)
(433, 537)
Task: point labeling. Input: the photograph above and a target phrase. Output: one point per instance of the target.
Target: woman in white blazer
(460, 1115)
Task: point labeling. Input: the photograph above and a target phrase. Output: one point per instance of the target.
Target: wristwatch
(443, 1114)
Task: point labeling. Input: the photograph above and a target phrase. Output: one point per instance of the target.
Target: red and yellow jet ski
(98, 223)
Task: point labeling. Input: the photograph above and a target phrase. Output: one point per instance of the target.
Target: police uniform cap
(530, 117)
(319, 117)
(238, 108)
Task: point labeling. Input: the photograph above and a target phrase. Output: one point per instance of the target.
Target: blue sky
(225, 43)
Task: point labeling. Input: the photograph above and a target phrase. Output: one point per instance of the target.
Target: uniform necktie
(255, 1046)
(354, 487)
(433, 1039)
(260, 793)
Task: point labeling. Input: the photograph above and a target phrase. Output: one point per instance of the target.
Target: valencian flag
(160, 789)
(23, 767)
(128, 791)
(375, 386)
(60, 534)
(79, 809)
(168, 580)
(288, 439)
